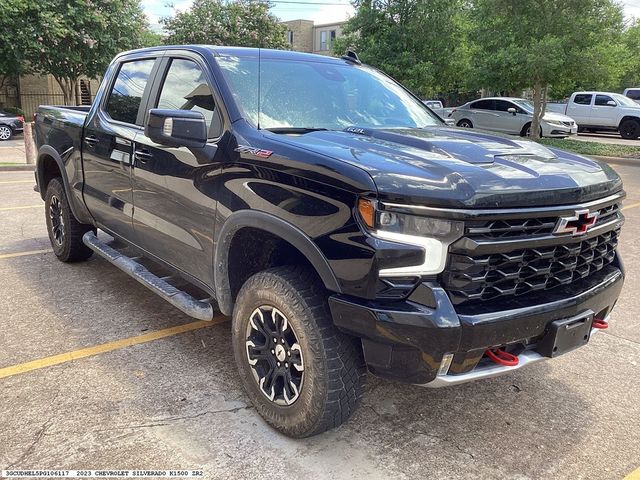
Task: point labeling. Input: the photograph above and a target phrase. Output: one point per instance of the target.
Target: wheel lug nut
(286, 364)
(278, 363)
(275, 340)
(282, 340)
(273, 352)
(289, 352)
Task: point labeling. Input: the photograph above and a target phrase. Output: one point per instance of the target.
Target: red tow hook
(501, 357)
(599, 323)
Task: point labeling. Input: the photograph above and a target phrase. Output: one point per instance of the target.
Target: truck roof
(243, 52)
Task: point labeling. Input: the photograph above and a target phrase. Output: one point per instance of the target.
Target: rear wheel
(5, 132)
(464, 123)
(630, 129)
(65, 232)
(302, 374)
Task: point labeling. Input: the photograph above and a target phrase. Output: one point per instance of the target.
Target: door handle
(91, 140)
(143, 155)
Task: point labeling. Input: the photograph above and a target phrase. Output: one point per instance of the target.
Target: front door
(603, 113)
(174, 190)
(108, 146)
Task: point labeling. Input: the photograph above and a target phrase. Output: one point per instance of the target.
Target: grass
(593, 148)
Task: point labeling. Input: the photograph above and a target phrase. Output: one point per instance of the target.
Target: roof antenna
(351, 56)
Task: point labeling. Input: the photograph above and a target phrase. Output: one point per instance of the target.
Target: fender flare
(276, 226)
(48, 151)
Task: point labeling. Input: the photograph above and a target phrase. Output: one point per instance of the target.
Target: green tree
(631, 62)
(541, 43)
(421, 44)
(242, 23)
(12, 62)
(71, 38)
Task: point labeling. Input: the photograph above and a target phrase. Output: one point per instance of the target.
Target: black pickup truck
(341, 223)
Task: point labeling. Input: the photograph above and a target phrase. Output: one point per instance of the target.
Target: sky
(320, 11)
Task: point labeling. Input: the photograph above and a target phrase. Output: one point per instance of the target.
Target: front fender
(276, 226)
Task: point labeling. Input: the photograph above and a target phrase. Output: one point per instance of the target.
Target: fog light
(447, 358)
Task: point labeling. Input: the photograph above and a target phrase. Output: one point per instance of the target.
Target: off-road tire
(70, 248)
(334, 368)
(630, 129)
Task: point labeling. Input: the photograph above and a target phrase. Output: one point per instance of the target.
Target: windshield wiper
(295, 129)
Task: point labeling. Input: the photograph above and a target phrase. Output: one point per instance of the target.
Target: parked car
(604, 111)
(10, 124)
(633, 94)
(339, 222)
(512, 116)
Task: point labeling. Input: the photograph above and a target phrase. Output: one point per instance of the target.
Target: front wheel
(65, 232)
(5, 132)
(630, 129)
(303, 375)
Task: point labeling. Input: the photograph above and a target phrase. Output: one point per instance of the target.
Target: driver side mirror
(611, 103)
(176, 128)
(449, 122)
(512, 110)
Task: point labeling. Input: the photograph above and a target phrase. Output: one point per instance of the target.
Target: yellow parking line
(106, 347)
(635, 475)
(17, 181)
(631, 205)
(4, 209)
(24, 254)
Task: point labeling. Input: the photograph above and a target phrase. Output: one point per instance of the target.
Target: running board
(179, 299)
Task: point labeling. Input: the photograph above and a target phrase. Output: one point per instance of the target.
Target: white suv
(511, 115)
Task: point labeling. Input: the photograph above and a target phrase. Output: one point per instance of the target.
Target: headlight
(434, 235)
(555, 123)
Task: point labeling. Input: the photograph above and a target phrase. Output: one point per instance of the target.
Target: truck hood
(461, 168)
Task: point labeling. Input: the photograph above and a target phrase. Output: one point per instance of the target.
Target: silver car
(512, 116)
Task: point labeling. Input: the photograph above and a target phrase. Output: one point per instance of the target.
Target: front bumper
(407, 341)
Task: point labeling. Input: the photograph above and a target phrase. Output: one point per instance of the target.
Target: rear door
(174, 191)
(579, 108)
(108, 143)
(604, 112)
(483, 114)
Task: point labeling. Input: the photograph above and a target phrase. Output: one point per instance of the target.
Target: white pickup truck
(602, 111)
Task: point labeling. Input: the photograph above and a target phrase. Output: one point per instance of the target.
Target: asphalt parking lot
(163, 392)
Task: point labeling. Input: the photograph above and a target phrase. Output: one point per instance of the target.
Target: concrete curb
(17, 168)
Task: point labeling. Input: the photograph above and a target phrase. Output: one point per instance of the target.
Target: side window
(634, 94)
(483, 105)
(583, 99)
(126, 94)
(503, 105)
(185, 88)
(602, 100)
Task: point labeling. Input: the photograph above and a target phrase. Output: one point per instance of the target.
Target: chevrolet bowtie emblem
(580, 223)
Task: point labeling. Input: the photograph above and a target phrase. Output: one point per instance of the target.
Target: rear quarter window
(583, 99)
(634, 94)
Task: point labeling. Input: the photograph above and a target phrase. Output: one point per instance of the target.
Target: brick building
(305, 36)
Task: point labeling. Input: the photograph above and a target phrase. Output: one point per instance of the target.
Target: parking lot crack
(32, 446)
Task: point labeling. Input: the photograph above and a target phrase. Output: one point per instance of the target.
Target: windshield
(626, 101)
(525, 105)
(319, 95)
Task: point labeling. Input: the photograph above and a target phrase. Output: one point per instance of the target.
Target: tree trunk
(539, 100)
(69, 87)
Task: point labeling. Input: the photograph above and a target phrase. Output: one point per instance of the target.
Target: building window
(327, 38)
(290, 37)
